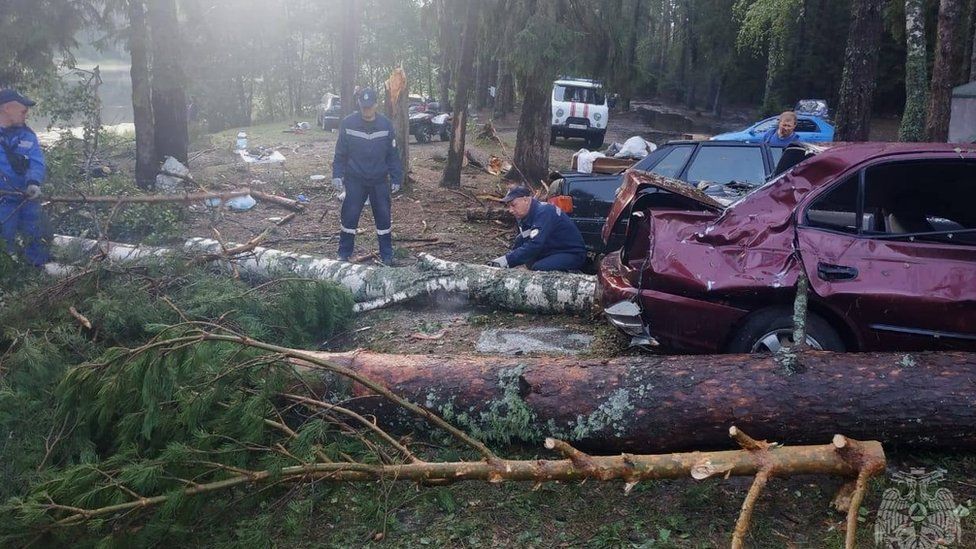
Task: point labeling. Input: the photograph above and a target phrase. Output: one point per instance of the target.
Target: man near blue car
(22, 170)
(548, 240)
(366, 167)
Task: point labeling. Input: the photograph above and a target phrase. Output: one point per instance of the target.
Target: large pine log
(675, 403)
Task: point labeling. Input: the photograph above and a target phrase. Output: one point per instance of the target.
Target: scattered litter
(302, 199)
(170, 181)
(261, 156)
(274, 219)
(241, 143)
(585, 159)
(238, 203)
(635, 147)
(316, 178)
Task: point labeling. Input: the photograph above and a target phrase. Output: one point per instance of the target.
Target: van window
(576, 94)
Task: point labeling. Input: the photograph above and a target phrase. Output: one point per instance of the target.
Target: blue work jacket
(20, 143)
(366, 152)
(544, 231)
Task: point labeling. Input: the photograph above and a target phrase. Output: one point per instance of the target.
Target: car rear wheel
(770, 330)
(596, 141)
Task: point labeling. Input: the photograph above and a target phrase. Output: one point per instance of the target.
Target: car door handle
(826, 271)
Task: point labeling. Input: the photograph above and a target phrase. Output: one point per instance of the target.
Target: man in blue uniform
(548, 239)
(366, 166)
(22, 171)
(783, 134)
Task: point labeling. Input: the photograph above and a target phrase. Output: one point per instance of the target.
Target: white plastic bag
(636, 147)
(171, 184)
(585, 159)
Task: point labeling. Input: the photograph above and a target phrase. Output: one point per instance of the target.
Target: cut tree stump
(489, 214)
(675, 403)
(373, 287)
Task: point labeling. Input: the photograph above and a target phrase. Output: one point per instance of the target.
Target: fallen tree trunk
(674, 403)
(489, 214)
(148, 198)
(487, 162)
(373, 287)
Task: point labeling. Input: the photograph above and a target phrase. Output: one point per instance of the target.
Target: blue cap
(8, 95)
(367, 98)
(517, 192)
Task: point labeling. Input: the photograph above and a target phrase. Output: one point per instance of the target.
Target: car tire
(423, 135)
(445, 135)
(552, 138)
(770, 329)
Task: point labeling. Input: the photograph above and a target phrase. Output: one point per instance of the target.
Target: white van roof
(578, 83)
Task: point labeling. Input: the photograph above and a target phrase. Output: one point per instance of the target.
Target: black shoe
(391, 262)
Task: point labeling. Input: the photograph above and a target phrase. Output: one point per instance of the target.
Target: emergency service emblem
(916, 514)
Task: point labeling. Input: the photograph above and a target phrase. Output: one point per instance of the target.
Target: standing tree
(860, 71)
(948, 47)
(349, 59)
(916, 73)
(397, 106)
(168, 81)
(462, 87)
(447, 40)
(540, 40)
(771, 22)
(142, 112)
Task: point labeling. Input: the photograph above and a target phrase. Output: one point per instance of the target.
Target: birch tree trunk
(142, 112)
(948, 47)
(916, 73)
(859, 79)
(375, 287)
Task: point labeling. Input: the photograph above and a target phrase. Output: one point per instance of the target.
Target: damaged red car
(885, 233)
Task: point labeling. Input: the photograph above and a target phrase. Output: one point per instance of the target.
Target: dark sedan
(709, 164)
(885, 233)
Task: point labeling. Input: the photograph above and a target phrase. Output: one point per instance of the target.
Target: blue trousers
(352, 208)
(23, 217)
(559, 262)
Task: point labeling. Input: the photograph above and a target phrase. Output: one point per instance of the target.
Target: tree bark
(531, 156)
(504, 89)
(948, 47)
(375, 287)
(462, 88)
(349, 56)
(860, 71)
(674, 403)
(397, 107)
(447, 43)
(916, 73)
(142, 113)
(168, 82)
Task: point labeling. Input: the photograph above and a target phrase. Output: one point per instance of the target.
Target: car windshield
(577, 94)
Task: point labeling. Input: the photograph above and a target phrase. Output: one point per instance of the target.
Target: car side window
(923, 200)
(837, 208)
(674, 161)
(766, 125)
(725, 164)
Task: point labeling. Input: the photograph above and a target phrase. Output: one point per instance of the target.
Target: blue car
(811, 129)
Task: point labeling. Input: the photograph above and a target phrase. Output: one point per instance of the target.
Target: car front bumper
(677, 322)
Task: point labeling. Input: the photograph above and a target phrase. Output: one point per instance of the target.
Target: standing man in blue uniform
(22, 170)
(548, 239)
(366, 166)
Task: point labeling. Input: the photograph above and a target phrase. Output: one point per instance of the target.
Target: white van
(579, 109)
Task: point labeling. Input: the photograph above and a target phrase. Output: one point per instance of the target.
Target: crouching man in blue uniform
(22, 171)
(366, 166)
(548, 239)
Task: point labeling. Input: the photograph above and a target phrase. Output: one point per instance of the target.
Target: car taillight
(563, 202)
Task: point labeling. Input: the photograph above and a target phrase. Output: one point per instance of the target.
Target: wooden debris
(487, 162)
(149, 198)
(489, 214)
(288, 203)
(82, 319)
